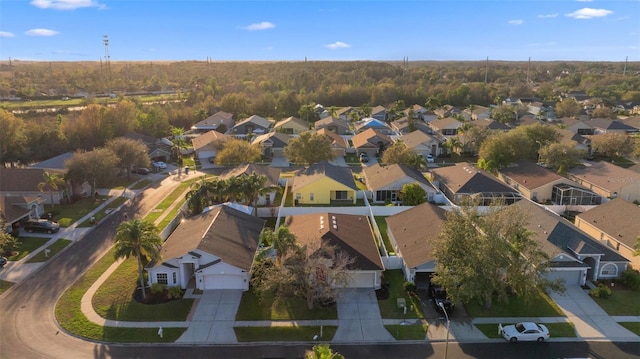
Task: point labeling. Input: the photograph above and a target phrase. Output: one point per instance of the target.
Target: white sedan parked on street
(524, 331)
(159, 164)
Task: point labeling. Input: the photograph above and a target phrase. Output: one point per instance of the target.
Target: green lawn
(67, 214)
(538, 306)
(288, 334)
(634, 327)
(4, 285)
(251, 308)
(382, 226)
(142, 184)
(70, 316)
(56, 247)
(557, 330)
(168, 201)
(389, 307)
(621, 302)
(113, 300)
(408, 332)
(103, 212)
(28, 245)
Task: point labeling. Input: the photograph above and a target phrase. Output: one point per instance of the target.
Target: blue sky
(224, 30)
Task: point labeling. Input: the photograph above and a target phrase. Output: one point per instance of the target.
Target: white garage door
(362, 280)
(223, 281)
(570, 277)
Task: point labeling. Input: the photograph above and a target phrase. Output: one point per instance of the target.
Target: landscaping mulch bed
(152, 298)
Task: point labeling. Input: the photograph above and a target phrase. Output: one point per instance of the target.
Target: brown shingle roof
(211, 140)
(529, 175)
(336, 139)
(370, 137)
(224, 232)
(605, 175)
(379, 177)
(464, 178)
(618, 218)
(322, 169)
(272, 173)
(415, 138)
(414, 230)
(352, 234)
(24, 179)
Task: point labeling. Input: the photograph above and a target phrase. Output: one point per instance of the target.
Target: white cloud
(548, 16)
(6, 34)
(265, 25)
(589, 13)
(66, 4)
(338, 45)
(41, 32)
(516, 22)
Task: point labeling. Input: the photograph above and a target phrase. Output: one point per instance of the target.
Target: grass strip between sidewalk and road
(56, 247)
(557, 330)
(101, 214)
(408, 332)
(5, 285)
(169, 200)
(28, 245)
(70, 317)
(285, 333)
(633, 327)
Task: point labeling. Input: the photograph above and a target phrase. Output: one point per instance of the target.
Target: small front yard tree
(412, 194)
(139, 239)
(309, 148)
(235, 152)
(489, 256)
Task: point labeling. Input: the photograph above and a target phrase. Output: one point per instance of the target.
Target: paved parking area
(214, 317)
(359, 317)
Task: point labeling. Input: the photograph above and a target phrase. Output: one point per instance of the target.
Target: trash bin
(186, 170)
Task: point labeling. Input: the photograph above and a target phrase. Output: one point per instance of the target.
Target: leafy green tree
(308, 113)
(504, 114)
(120, 119)
(129, 153)
(235, 152)
(309, 148)
(474, 137)
(139, 239)
(604, 112)
(92, 167)
(561, 157)
(179, 144)
(253, 186)
(636, 247)
(398, 153)
(282, 241)
(13, 142)
(612, 144)
(8, 243)
(568, 107)
(489, 256)
(53, 182)
(322, 351)
(412, 194)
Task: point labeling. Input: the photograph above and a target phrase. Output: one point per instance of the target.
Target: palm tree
(281, 241)
(253, 186)
(52, 180)
(138, 238)
(322, 351)
(178, 144)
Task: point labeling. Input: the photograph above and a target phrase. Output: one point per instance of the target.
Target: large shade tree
(95, 167)
(235, 152)
(612, 144)
(309, 148)
(139, 239)
(130, 153)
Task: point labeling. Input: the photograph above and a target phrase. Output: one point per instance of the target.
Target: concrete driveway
(213, 319)
(359, 317)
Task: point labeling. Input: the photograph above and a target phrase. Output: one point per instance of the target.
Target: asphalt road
(28, 328)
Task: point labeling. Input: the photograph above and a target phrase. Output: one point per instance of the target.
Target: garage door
(223, 281)
(571, 277)
(362, 280)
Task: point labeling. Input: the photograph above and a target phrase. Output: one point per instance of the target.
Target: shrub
(175, 292)
(631, 278)
(601, 291)
(410, 287)
(65, 222)
(157, 288)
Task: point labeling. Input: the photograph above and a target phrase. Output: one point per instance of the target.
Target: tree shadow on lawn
(289, 308)
(540, 305)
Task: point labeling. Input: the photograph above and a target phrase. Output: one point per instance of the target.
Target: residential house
(541, 185)
(574, 256)
(476, 113)
(291, 126)
(446, 127)
(207, 145)
(272, 143)
(334, 125)
(615, 224)
(447, 111)
(54, 163)
(463, 181)
(372, 123)
(158, 149)
(421, 113)
(411, 234)
(633, 122)
(252, 125)
(339, 144)
(324, 183)
(346, 233)
(403, 126)
(220, 120)
(607, 180)
(575, 140)
(606, 125)
(25, 183)
(16, 209)
(491, 125)
(379, 113)
(344, 113)
(541, 110)
(271, 173)
(371, 142)
(576, 126)
(385, 182)
(421, 142)
(215, 248)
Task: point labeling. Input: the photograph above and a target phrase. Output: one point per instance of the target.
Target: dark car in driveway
(141, 171)
(41, 225)
(3, 261)
(439, 297)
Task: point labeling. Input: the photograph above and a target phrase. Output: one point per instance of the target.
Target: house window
(609, 270)
(175, 278)
(298, 196)
(311, 196)
(341, 194)
(161, 278)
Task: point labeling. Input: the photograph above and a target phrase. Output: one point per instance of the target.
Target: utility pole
(107, 58)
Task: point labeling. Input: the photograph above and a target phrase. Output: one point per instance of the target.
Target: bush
(410, 287)
(631, 278)
(157, 288)
(601, 291)
(175, 292)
